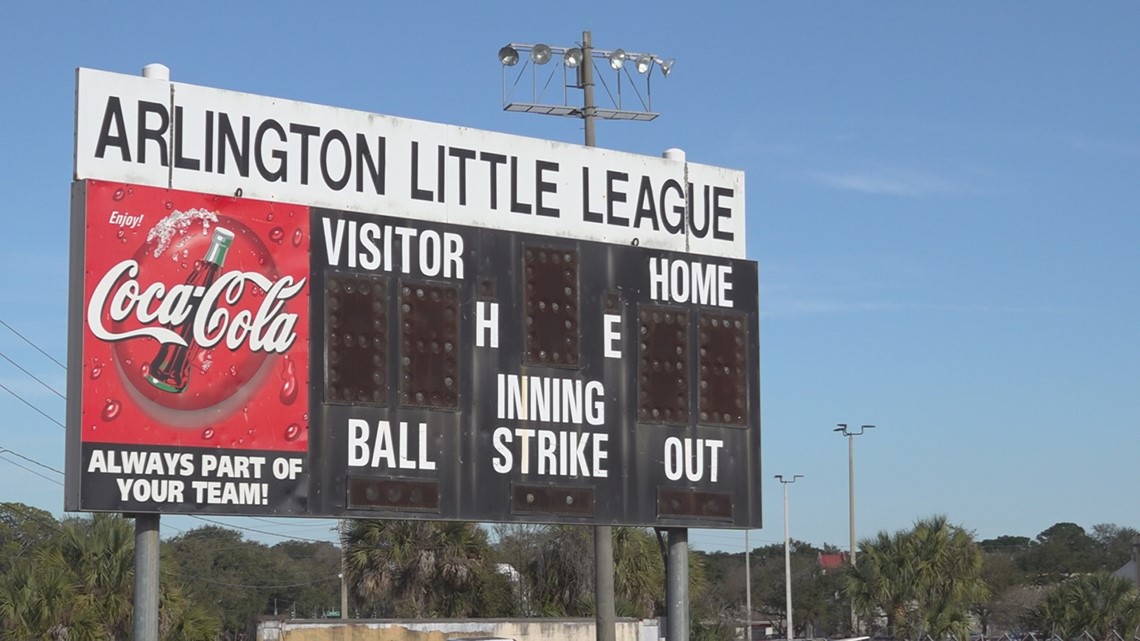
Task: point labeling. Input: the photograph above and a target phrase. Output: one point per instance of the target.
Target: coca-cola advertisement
(194, 368)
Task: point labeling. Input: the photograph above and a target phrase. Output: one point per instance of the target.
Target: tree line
(71, 579)
(936, 580)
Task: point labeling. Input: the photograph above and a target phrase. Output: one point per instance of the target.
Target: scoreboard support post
(144, 623)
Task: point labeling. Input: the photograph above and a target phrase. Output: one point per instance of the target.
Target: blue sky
(944, 199)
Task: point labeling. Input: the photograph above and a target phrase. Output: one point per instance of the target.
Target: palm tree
(923, 580)
(78, 586)
(39, 601)
(950, 577)
(561, 573)
(883, 580)
(1100, 604)
(100, 554)
(417, 568)
(639, 573)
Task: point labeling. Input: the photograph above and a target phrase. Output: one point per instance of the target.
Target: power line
(184, 575)
(13, 330)
(4, 450)
(30, 470)
(272, 522)
(33, 376)
(12, 506)
(250, 529)
(25, 402)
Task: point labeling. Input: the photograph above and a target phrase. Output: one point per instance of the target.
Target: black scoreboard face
(489, 375)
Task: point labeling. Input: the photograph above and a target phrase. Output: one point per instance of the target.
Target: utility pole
(605, 615)
(851, 434)
(582, 59)
(788, 557)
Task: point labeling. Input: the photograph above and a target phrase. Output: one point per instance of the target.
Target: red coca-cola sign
(196, 320)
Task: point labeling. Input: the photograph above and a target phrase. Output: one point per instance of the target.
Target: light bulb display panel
(534, 378)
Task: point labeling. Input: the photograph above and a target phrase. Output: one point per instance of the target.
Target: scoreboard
(394, 319)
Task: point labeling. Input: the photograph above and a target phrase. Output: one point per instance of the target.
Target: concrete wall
(444, 629)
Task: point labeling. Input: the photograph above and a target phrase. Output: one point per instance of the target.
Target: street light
(580, 59)
(788, 554)
(851, 434)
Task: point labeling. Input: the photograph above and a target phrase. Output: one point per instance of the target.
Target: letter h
(486, 323)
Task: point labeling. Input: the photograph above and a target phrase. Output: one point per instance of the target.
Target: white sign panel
(166, 134)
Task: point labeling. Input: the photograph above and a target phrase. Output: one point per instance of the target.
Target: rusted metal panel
(547, 499)
(692, 503)
(399, 494)
(663, 372)
(356, 338)
(429, 346)
(550, 279)
(722, 386)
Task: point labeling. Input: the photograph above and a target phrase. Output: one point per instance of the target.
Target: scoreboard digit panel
(492, 375)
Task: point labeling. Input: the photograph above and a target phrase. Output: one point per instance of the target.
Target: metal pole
(605, 617)
(851, 490)
(144, 625)
(677, 568)
(144, 622)
(747, 587)
(588, 106)
(677, 586)
(787, 567)
(788, 556)
(851, 434)
(343, 572)
(851, 520)
(605, 614)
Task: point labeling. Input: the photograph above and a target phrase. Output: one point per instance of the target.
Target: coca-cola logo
(120, 297)
(198, 312)
(196, 319)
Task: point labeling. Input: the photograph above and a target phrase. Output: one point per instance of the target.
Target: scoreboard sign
(281, 308)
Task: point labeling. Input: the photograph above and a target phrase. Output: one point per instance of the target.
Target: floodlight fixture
(630, 99)
(572, 58)
(540, 54)
(617, 59)
(508, 56)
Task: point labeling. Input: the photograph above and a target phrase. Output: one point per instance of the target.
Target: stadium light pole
(581, 61)
(788, 555)
(851, 434)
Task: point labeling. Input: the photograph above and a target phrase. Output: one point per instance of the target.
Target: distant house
(832, 561)
(1131, 570)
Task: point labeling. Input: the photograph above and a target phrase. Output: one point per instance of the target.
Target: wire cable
(32, 376)
(203, 579)
(12, 506)
(30, 470)
(250, 529)
(25, 402)
(4, 450)
(13, 330)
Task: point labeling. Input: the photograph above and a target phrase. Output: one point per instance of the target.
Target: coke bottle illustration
(170, 370)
